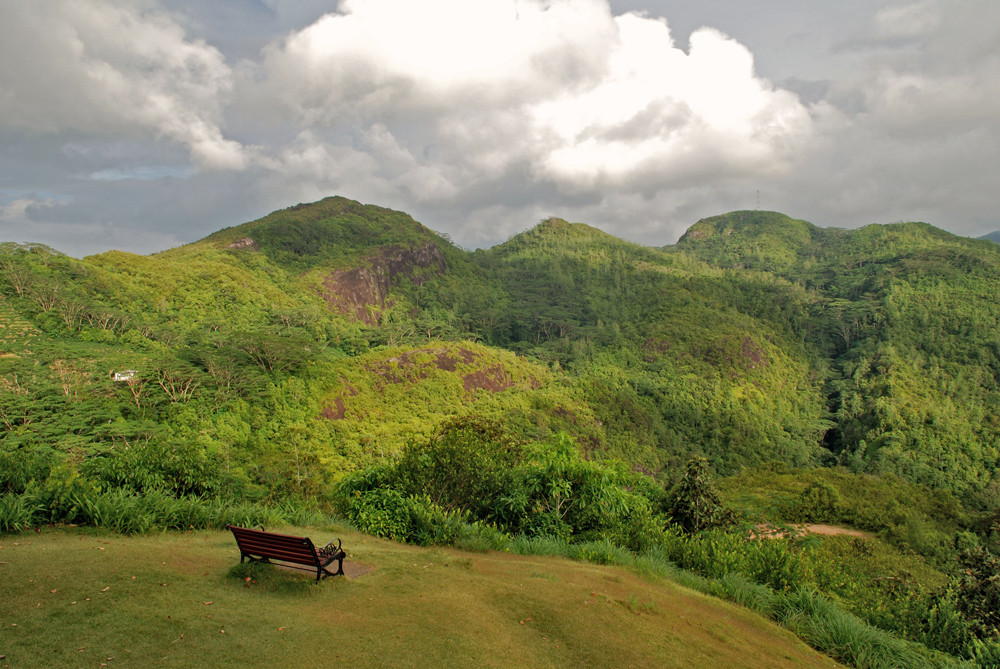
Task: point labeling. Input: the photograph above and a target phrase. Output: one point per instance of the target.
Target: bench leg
(325, 572)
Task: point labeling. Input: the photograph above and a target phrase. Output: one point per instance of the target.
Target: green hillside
(343, 358)
(673, 364)
(183, 601)
(906, 316)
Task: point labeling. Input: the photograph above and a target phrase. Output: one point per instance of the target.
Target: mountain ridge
(737, 342)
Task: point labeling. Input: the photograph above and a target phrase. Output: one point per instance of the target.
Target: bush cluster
(472, 471)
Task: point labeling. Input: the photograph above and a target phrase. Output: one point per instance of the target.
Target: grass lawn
(73, 597)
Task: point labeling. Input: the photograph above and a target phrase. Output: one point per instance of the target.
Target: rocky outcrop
(244, 243)
(362, 292)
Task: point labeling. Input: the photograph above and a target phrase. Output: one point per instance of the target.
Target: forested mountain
(993, 236)
(340, 330)
(906, 317)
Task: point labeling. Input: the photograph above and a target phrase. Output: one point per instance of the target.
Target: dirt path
(765, 531)
(831, 530)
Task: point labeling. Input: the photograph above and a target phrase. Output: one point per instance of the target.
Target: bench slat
(263, 542)
(284, 557)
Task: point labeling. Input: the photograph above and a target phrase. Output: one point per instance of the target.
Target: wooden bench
(297, 552)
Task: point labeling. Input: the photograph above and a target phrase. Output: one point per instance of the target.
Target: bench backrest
(299, 550)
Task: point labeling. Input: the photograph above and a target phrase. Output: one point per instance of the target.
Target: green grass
(75, 597)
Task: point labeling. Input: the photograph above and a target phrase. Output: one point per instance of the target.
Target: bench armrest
(335, 549)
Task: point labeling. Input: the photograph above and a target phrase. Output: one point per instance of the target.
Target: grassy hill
(181, 600)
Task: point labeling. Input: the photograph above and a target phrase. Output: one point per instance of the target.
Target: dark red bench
(297, 552)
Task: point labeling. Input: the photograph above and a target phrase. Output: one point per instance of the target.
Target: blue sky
(144, 124)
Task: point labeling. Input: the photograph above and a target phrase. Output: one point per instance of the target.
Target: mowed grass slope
(73, 597)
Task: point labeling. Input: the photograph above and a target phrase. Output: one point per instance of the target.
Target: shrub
(17, 512)
(384, 512)
(819, 502)
(695, 504)
(546, 524)
(430, 524)
(178, 467)
(481, 537)
(465, 465)
(979, 592)
(600, 552)
(63, 494)
(20, 466)
(985, 653)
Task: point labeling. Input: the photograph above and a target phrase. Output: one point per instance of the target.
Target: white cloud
(16, 212)
(109, 68)
(665, 115)
(435, 55)
(446, 94)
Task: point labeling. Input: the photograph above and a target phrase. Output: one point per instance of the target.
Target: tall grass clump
(828, 628)
(127, 512)
(17, 512)
(754, 596)
(539, 545)
(480, 537)
(600, 552)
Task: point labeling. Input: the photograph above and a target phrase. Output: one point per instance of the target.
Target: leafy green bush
(979, 592)
(64, 494)
(695, 504)
(21, 465)
(465, 465)
(17, 512)
(776, 562)
(384, 512)
(481, 537)
(473, 469)
(984, 653)
(820, 503)
(600, 552)
(431, 524)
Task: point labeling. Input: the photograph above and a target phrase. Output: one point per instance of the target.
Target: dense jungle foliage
(565, 384)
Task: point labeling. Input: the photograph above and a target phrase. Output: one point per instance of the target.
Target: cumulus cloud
(662, 116)
(110, 68)
(445, 96)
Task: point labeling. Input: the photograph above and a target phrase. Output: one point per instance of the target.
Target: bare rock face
(362, 292)
(245, 243)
